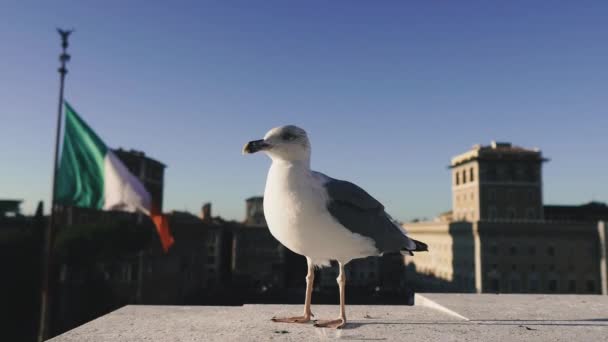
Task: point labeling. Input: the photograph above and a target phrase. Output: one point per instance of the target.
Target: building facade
(495, 182)
(499, 237)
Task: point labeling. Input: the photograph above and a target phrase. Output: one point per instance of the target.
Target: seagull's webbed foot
(295, 319)
(333, 324)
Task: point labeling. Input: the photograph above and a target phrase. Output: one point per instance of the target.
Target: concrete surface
(435, 317)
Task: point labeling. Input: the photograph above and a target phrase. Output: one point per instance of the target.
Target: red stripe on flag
(162, 227)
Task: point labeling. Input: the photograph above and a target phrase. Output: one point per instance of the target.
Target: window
(491, 173)
(471, 175)
(512, 173)
(531, 173)
(531, 196)
(532, 250)
(494, 250)
(211, 259)
(511, 213)
(464, 176)
(457, 178)
(501, 173)
(493, 212)
(126, 272)
(513, 250)
(552, 287)
(514, 267)
(520, 172)
(533, 285)
(572, 286)
(530, 213)
(515, 285)
(551, 251)
(590, 286)
(492, 195)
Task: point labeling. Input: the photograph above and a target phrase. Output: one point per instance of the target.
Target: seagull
(320, 217)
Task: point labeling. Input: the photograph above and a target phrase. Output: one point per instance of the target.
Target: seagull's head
(285, 143)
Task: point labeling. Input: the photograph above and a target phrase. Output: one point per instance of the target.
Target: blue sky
(388, 91)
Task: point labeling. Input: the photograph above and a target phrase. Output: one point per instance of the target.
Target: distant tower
(151, 172)
(255, 211)
(206, 212)
(497, 182)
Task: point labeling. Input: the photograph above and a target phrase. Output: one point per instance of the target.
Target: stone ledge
(435, 317)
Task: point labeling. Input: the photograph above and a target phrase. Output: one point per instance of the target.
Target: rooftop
(10, 206)
(497, 150)
(435, 317)
(137, 154)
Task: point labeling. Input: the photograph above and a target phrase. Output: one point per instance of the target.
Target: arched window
(471, 175)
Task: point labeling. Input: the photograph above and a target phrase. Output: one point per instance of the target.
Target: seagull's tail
(419, 247)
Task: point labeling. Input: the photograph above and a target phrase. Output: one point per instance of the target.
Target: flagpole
(43, 330)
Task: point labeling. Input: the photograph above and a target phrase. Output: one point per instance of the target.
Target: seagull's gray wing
(360, 213)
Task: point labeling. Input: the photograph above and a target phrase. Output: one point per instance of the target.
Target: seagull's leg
(340, 322)
(310, 278)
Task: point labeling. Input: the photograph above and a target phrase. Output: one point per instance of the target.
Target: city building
(589, 212)
(254, 216)
(500, 237)
(10, 208)
(497, 182)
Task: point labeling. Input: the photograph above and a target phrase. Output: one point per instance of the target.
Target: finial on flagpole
(64, 57)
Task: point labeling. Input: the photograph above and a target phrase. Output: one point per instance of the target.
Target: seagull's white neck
(303, 163)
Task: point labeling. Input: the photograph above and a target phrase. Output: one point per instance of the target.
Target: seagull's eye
(288, 137)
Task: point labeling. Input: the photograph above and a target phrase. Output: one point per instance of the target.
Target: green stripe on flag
(80, 180)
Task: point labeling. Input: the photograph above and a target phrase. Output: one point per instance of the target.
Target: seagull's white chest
(295, 208)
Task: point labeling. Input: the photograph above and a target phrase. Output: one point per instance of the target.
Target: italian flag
(90, 175)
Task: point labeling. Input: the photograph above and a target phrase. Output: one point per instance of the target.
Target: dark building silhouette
(254, 215)
(10, 208)
(589, 212)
